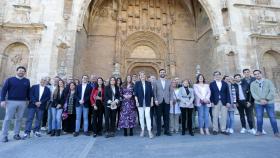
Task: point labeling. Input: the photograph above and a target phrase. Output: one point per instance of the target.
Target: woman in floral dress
(128, 112)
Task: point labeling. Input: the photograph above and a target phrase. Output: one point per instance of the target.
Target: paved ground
(66, 146)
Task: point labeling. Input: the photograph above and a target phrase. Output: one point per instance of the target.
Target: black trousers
(162, 110)
(118, 114)
(97, 118)
(110, 119)
(45, 118)
(90, 110)
(184, 112)
(152, 113)
(69, 124)
(243, 109)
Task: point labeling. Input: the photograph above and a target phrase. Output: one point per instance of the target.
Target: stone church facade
(120, 37)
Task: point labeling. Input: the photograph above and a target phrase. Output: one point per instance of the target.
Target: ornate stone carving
(265, 24)
(63, 41)
(264, 2)
(21, 14)
(67, 11)
(16, 59)
(117, 70)
(147, 15)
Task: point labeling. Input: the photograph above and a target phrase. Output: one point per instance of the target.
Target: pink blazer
(199, 94)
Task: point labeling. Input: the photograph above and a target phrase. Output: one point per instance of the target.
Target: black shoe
(158, 134)
(191, 133)
(215, 133)
(167, 134)
(86, 134)
(225, 133)
(17, 137)
(5, 139)
(76, 134)
(125, 132)
(94, 135)
(131, 132)
(57, 133)
(52, 133)
(183, 133)
(112, 134)
(107, 135)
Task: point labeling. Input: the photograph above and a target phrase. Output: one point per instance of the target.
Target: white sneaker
(25, 136)
(264, 132)
(252, 131)
(38, 134)
(243, 130)
(227, 130)
(142, 133)
(43, 128)
(151, 136)
(231, 131)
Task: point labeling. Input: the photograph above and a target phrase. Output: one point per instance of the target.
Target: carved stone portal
(16, 54)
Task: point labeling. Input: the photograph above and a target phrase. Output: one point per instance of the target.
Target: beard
(162, 76)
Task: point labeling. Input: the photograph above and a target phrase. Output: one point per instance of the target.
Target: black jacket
(109, 94)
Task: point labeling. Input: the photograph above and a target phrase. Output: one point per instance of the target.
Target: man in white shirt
(163, 94)
(244, 105)
(39, 97)
(82, 108)
(220, 100)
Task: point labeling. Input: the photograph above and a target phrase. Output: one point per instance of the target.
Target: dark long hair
(198, 76)
(57, 89)
(102, 85)
(119, 79)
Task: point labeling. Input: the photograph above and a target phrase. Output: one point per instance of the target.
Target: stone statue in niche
(17, 59)
(117, 69)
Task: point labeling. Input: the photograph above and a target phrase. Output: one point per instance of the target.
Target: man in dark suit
(82, 108)
(143, 97)
(40, 94)
(163, 95)
(220, 100)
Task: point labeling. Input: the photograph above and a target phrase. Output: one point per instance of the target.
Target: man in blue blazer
(220, 100)
(40, 95)
(82, 107)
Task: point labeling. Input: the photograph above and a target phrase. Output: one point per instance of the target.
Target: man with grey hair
(40, 95)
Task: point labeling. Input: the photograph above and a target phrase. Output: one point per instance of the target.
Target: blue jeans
(30, 117)
(49, 119)
(203, 116)
(271, 114)
(230, 119)
(56, 118)
(81, 110)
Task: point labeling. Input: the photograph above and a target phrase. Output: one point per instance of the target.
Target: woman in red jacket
(97, 100)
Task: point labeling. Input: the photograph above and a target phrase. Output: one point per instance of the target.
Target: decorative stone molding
(67, 11)
(263, 2)
(96, 4)
(265, 24)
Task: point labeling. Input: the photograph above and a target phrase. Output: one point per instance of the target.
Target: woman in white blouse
(174, 109)
(202, 101)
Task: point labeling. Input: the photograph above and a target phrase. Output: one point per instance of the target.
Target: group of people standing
(70, 106)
